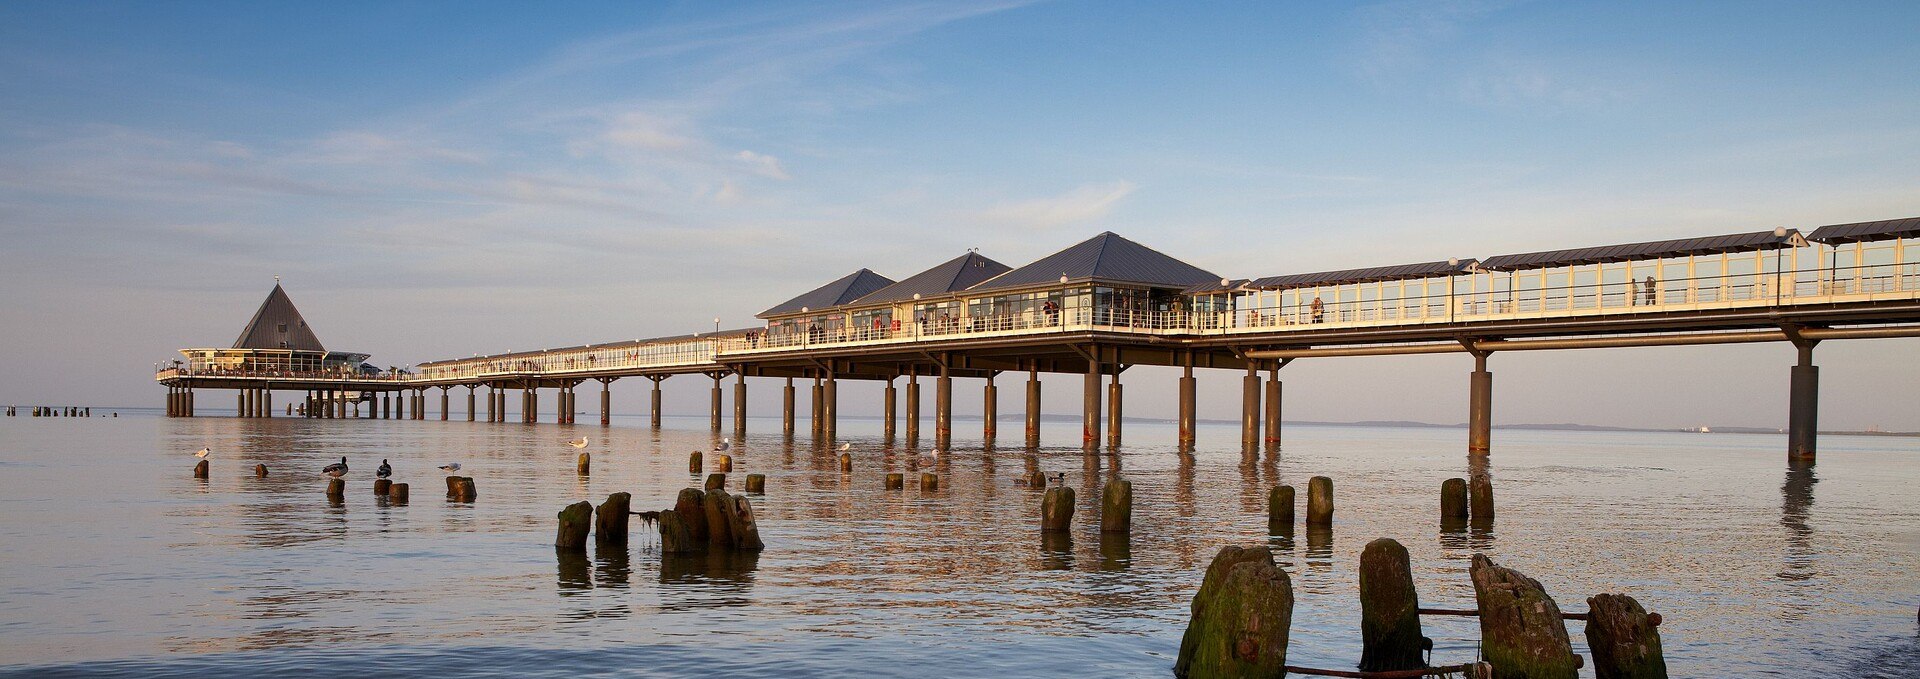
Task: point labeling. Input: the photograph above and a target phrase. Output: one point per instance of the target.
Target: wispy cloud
(1083, 203)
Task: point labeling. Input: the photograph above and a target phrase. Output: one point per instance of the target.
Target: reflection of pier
(1106, 304)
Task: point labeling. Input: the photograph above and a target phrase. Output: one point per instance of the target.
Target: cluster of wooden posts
(53, 411)
(709, 519)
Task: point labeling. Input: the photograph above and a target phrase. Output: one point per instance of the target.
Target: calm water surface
(117, 561)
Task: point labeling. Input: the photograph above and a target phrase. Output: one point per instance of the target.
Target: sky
(435, 180)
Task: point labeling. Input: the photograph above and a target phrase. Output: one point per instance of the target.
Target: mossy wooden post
(757, 483)
(693, 463)
(717, 505)
(200, 469)
(746, 532)
(610, 519)
(1624, 639)
(716, 481)
(574, 522)
(1320, 501)
(1056, 510)
(260, 471)
(1390, 635)
(1521, 633)
(896, 481)
(1453, 499)
(929, 482)
(1240, 618)
(585, 465)
(676, 535)
(461, 489)
(336, 488)
(1280, 510)
(397, 494)
(1481, 500)
(1116, 506)
(722, 462)
(691, 506)
(382, 487)
(846, 463)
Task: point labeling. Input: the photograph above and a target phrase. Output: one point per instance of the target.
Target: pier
(1106, 304)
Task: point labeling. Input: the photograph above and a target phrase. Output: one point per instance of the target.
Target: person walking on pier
(1319, 309)
(1651, 287)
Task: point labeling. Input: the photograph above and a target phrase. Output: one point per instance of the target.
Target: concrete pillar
(493, 405)
(470, 389)
(530, 408)
(561, 409)
(889, 407)
(830, 420)
(1480, 406)
(714, 414)
(266, 402)
(340, 404)
(814, 414)
(990, 411)
(1113, 410)
(1033, 405)
(240, 404)
(739, 403)
(190, 402)
(913, 407)
(653, 411)
(420, 404)
(1250, 410)
(400, 404)
(385, 402)
(1272, 440)
(1090, 405)
(1187, 409)
(443, 403)
(1803, 406)
(943, 409)
(786, 408)
(606, 402)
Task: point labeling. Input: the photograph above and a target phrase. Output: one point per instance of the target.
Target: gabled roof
(1107, 258)
(278, 325)
(1738, 242)
(848, 288)
(1369, 275)
(1886, 229)
(952, 275)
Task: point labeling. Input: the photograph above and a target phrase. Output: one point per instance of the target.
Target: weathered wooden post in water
(929, 482)
(1521, 633)
(1624, 639)
(610, 519)
(1481, 500)
(260, 471)
(397, 494)
(574, 522)
(694, 465)
(1453, 499)
(1240, 618)
(716, 481)
(757, 483)
(1056, 510)
(675, 531)
(896, 481)
(1116, 506)
(715, 506)
(585, 464)
(746, 531)
(336, 489)
(1390, 635)
(691, 506)
(1320, 501)
(382, 487)
(461, 489)
(1280, 510)
(846, 463)
(200, 470)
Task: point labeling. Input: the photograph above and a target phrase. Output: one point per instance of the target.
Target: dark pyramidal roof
(1106, 257)
(952, 275)
(278, 325)
(848, 288)
(1886, 229)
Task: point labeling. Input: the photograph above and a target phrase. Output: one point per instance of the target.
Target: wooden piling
(1116, 506)
(610, 520)
(716, 481)
(397, 494)
(896, 481)
(716, 506)
(757, 483)
(746, 531)
(585, 464)
(1481, 499)
(1390, 635)
(1240, 618)
(929, 482)
(676, 535)
(1320, 501)
(846, 463)
(1453, 499)
(462, 489)
(382, 487)
(1056, 510)
(574, 522)
(1280, 510)
(260, 471)
(1521, 633)
(200, 470)
(693, 463)
(1624, 639)
(691, 506)
(336, 488)
(722, 462)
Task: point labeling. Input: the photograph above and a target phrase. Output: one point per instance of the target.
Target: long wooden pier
(1106, 304)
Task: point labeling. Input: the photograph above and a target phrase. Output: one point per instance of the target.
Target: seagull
(450, 467)
(202, 453)
(725, 445)
(846, 446)
(579, 442)
(335, 470)
(385, 470)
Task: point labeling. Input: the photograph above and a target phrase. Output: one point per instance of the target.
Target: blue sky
(439, 179)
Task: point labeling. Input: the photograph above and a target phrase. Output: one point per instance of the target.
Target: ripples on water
(119, 562)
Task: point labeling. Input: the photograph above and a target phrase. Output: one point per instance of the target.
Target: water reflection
(1116, 551)
(1796, 504)
(612, 565)
(1056, 551)
(576, 572)
(716, 566)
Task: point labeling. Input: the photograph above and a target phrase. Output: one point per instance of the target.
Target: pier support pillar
(814, 415)
(606, 402)
(913, 407)
(386, 405)
(1090, 404)
(493, 405)
(443, 403)
(189, 402)
(420, 403)
(561, 409)
(240, 404)
(1113, 410)
(653, 412)
(990, 411)
(401, 402)
(1272, 439)
(1033, 405)
(266, 403)
(340, 404)
(470, 389)
(1803, 405)
(1188, 413)
(830, 421)
(713, 419)
(530, 396)
(943, 409)
(739, 403)
(890, 410)
(1480, 412)
(1250, 409)
(786, 408)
